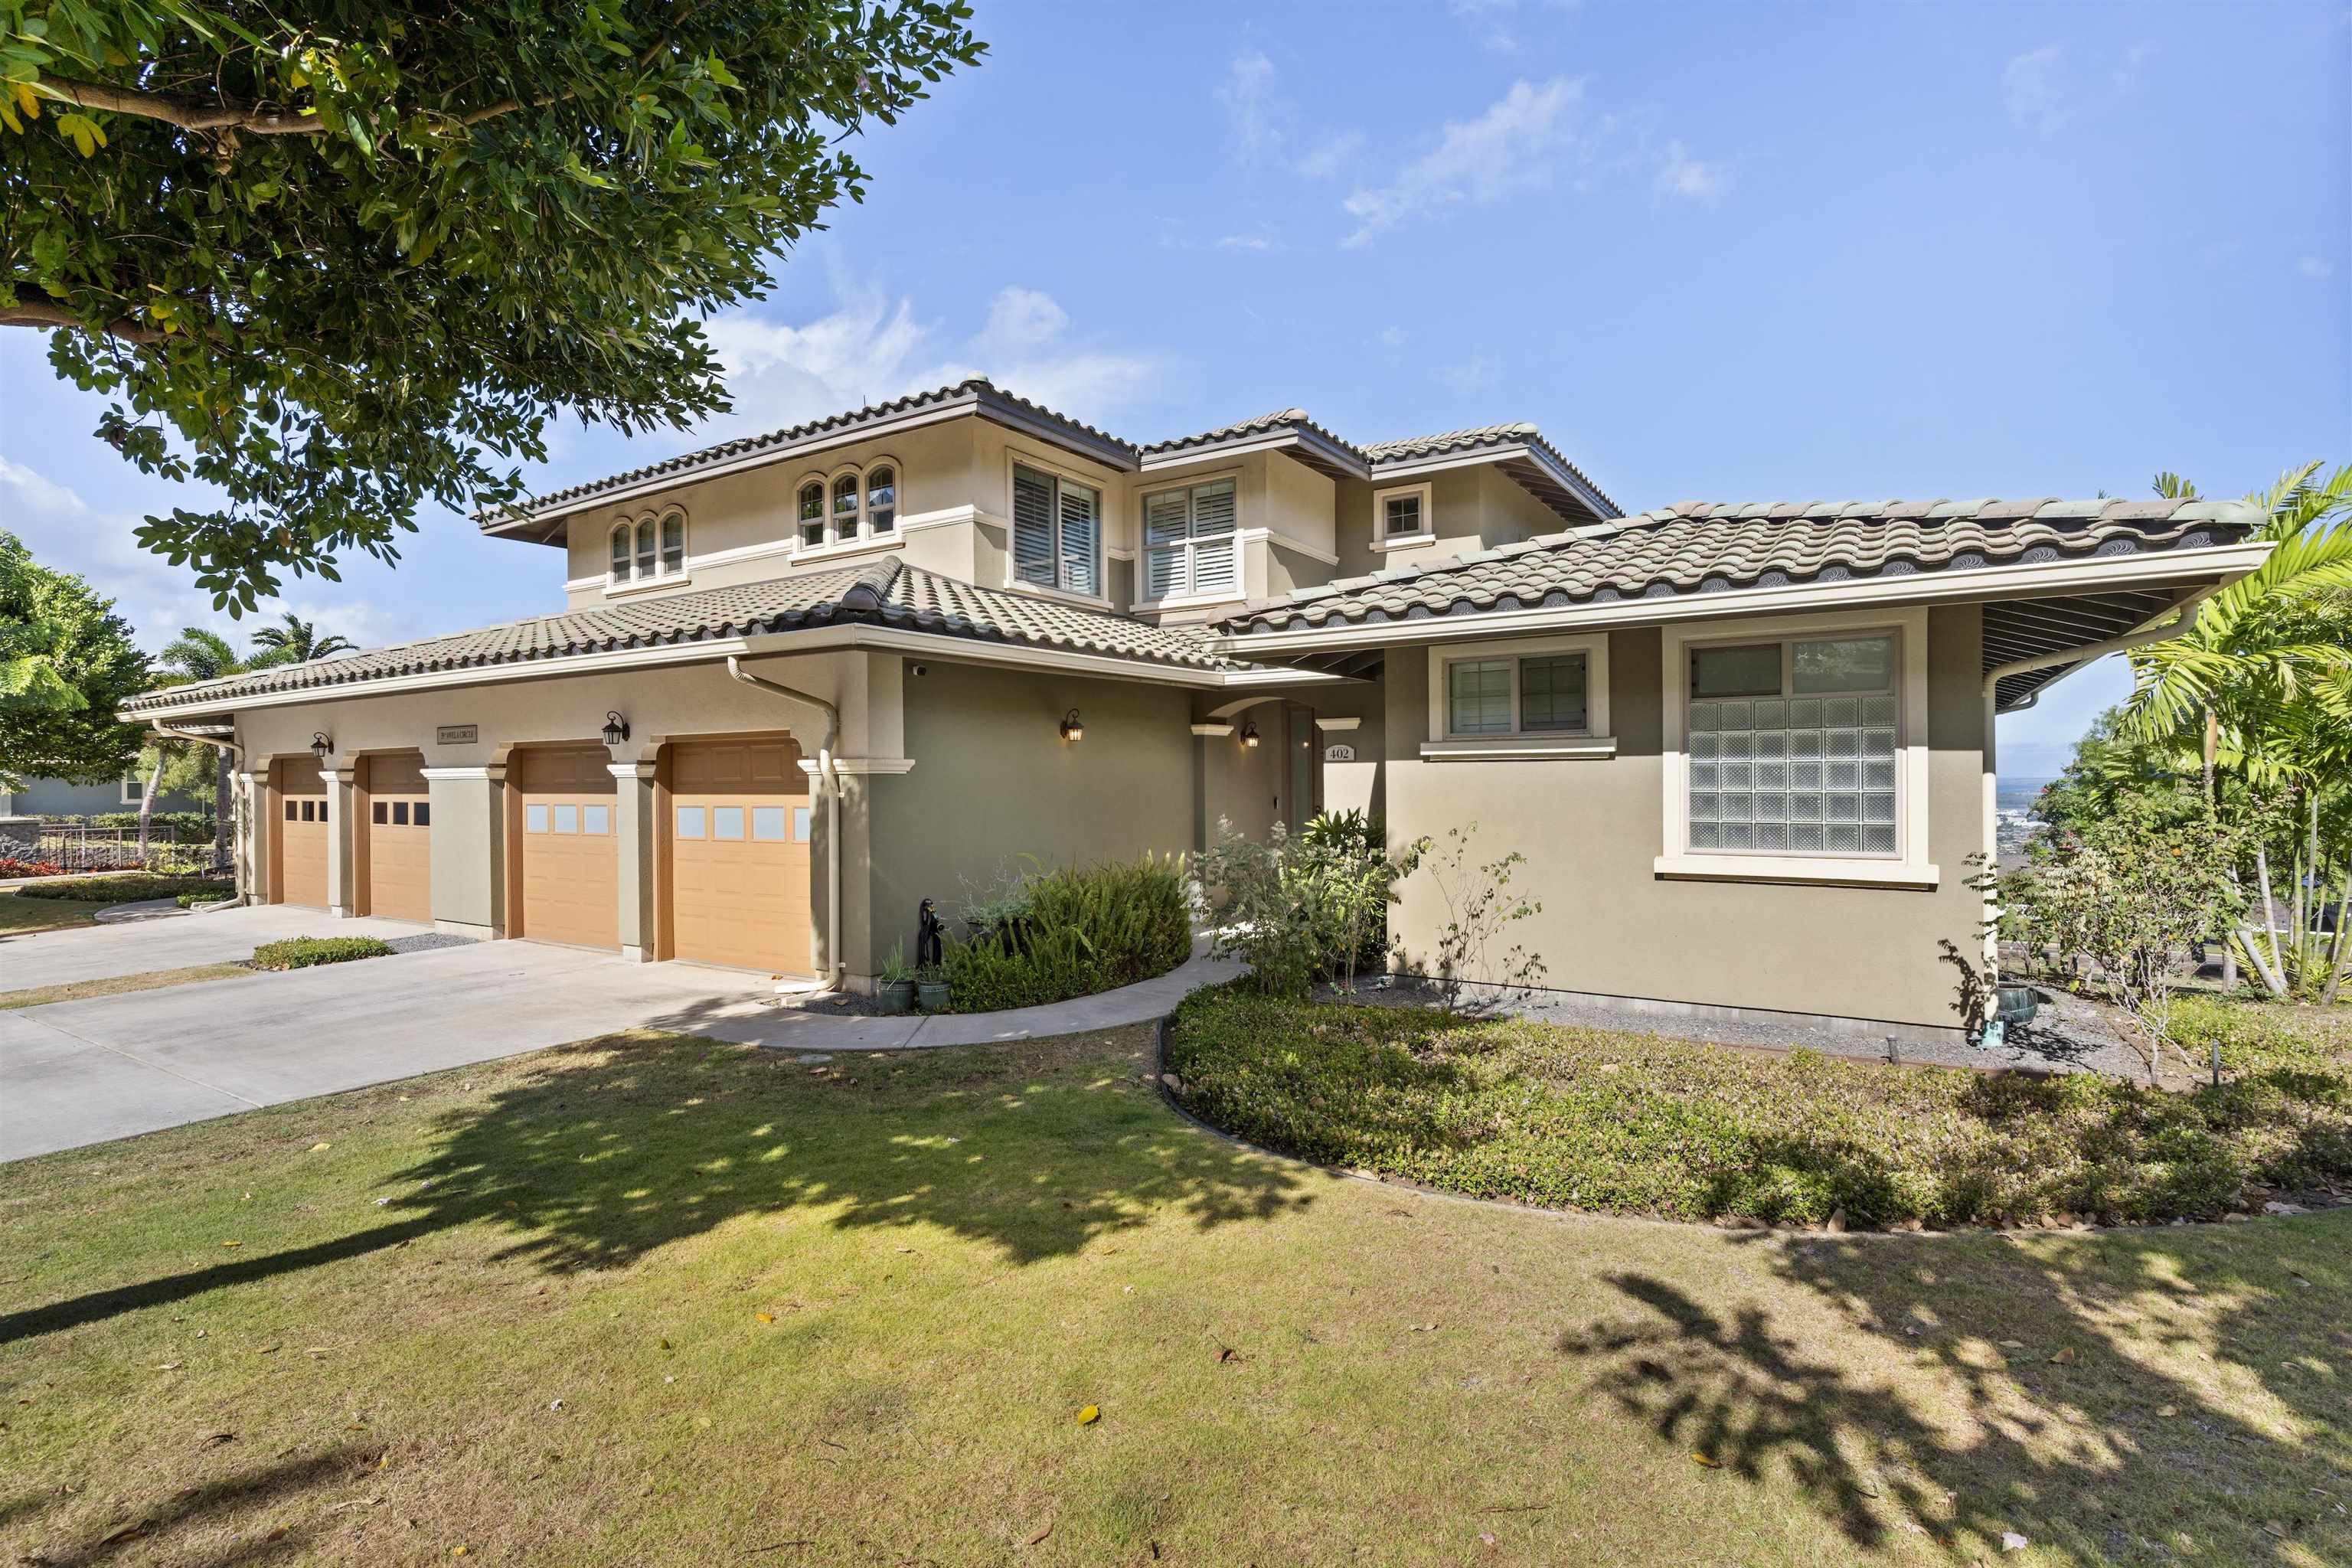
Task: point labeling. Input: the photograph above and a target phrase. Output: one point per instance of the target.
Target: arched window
(620, 553)
(673, 543)
(881, 499)
(812, 514)
(646, 552)
(649, 548)
(845, 506)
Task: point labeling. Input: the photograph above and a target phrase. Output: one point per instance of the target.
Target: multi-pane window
(812, 514)
(1190, 545)
(1056, 532)
(1534, 694)
(649, 548)
(882, 499)
(1792, 747)
(845, 506)
(855, 504)
(1401, 515)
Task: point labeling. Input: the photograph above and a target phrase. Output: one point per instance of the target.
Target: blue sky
(1729, 252)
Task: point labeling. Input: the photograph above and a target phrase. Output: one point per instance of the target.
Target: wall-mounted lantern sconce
(1072, 730)
(1249, 735)
(617, 729)
(322, 747)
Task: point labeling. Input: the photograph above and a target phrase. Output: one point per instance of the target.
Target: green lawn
(660, 1300)
(21, 914)
(121, 984)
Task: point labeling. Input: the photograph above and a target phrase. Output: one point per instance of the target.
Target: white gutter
(831, 778)
(2183, 619)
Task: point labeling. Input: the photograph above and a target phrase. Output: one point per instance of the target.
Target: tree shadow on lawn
(2108, 1332)
(596, 1155)
(230, 1501)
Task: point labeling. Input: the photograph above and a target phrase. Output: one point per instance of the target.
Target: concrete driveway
(82, 1072)
(100, 953)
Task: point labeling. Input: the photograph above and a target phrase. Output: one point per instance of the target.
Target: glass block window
(1479, 696)
(1802, 766)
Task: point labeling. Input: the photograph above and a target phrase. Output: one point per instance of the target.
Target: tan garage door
(302, 834)
(571, 855)
(739, 830)
(399, 839)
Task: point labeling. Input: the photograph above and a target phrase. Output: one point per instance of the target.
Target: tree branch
(50, 316)
(262, 120)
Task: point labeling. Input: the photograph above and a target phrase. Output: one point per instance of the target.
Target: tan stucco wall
(1477, 507)
(1590, 830)
(994, 781)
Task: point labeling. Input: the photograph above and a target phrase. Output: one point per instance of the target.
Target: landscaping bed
(1052, 935)
(1593, 1119)
(308, 951)
(126, 889)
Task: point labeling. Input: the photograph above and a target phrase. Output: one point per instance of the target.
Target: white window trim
(1596, 739)
(134, 788)
(638, 582)
(1427, 534)
(1909, 868)
(859, 535)
(1021, 457)
(1240, 537)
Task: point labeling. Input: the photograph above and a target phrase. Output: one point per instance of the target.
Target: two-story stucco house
(804, 681)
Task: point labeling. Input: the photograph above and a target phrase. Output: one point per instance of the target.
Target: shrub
(124, 890)
(1084, 930)
(10, 867)
(190, 900)
(1298, 909)
(190, 826)
(307, 951)
(1630, 1124)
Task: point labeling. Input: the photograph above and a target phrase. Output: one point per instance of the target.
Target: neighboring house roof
(1523, 453)
(1698, 548)
(884, 594)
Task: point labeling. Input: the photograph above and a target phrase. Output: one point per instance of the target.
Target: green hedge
(1592, 1120)
(305, 951)
(184, 826)
(1090, 929)
(129, 888)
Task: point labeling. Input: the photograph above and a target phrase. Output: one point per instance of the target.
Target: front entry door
(1302, 763)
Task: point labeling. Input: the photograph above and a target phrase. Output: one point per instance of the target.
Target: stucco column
(343, 840)
(469, 849)
(254, 829)
(633, 822)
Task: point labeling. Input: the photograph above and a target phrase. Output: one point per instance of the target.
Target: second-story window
(1189, 544)
(812, 514)
(1056, 532)
(845, 506)
(649, 548)
(881, 499)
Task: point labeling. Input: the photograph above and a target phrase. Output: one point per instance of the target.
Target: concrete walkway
(73, 1073)
(136, 947)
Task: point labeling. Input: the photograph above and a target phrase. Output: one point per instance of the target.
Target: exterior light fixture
(1072, 730)
(1249, 735)
(617, 729)
(322, 747)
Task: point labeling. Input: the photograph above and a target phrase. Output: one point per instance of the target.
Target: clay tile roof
(1697, 547)
(886, 593)
(1296, 419)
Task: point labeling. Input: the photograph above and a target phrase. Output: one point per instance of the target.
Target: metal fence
(71, 845)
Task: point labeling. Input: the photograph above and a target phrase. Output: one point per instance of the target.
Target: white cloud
(2315, 268)
(67, 533)
(1472, 375)
(1329, 157)
(1510, 148)
(1252, 111)
(1682, 175)
(870, 347)
(2044, 90)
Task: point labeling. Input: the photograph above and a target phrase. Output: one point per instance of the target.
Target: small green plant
(1076, 932)
(308, 952)
(1480, 908)
(124, 890)
(191, 900)
(896, 970)
(1299, 908)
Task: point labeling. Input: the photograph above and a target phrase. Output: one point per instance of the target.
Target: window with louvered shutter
(1081, 512)
(1033, 527)
(1189, 541)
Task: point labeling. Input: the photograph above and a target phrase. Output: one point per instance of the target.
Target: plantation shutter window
(1479, 696)
(882, 499)
(1056, 532)
(1190, 542)
(812, 514)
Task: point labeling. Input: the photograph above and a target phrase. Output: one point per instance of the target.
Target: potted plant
(930, 988)
(893, 987)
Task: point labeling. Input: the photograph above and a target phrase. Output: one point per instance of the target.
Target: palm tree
(2266, 672)
(299, 641)
(199, 655)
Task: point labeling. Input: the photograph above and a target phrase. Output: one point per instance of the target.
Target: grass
(119, 984)
(18, 914)
(662, 1300)
(1626, 1124)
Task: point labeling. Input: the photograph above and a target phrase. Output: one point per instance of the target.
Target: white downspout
(236, 759)
(830, 780)
(2184, 617)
